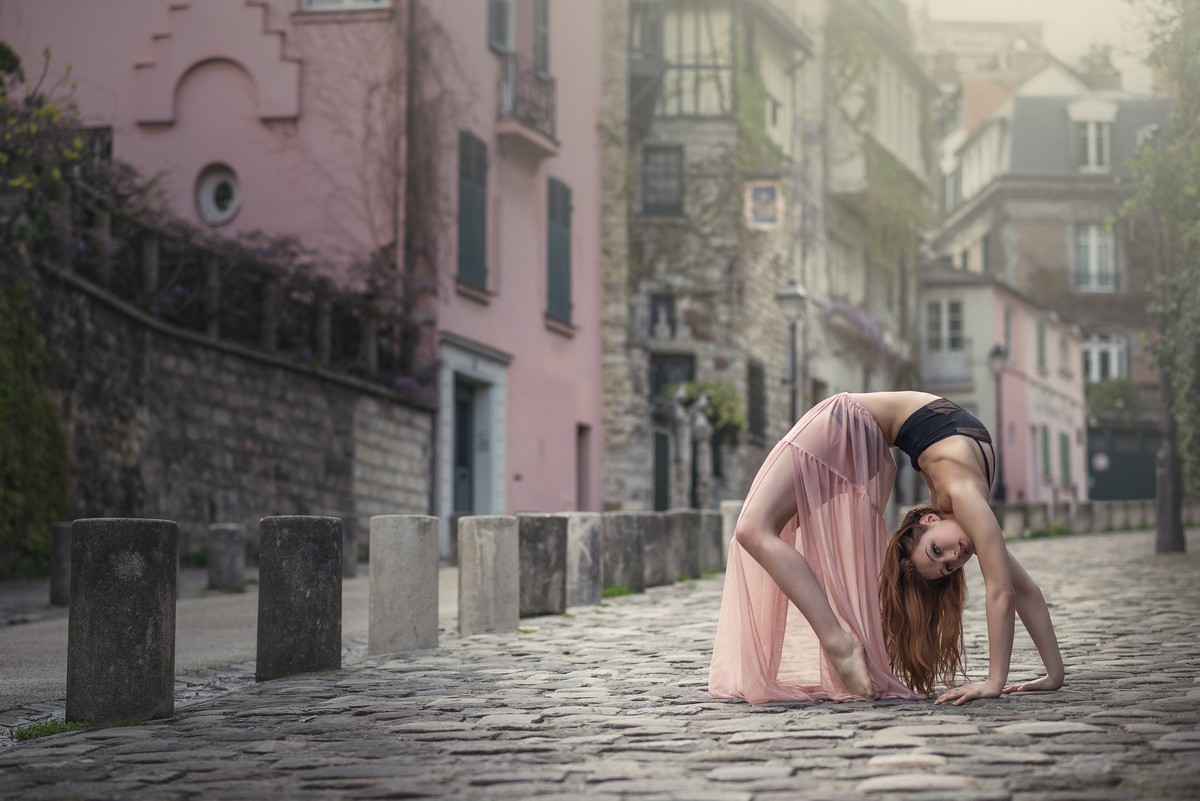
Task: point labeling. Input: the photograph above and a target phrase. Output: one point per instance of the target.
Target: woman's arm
(1032, 609)
(974, 514)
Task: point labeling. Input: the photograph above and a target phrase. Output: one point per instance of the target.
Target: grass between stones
(615, 591)
(35, 730)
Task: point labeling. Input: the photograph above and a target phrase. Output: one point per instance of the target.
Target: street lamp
(792, 299)
(997, 361)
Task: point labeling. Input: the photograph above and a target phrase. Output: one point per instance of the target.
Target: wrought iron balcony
(527, 97)
(947, 364)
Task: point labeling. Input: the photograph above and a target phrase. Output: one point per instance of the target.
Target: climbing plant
(723, 406)
(42, 140)
(33, 453)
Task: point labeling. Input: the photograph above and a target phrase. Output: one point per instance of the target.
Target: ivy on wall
(33, 450)
(723, 406)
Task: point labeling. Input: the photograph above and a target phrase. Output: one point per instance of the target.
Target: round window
(218, 196)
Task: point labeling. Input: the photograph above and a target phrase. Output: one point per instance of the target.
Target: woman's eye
(937, 551)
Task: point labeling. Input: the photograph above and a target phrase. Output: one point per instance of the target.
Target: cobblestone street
(610, 702)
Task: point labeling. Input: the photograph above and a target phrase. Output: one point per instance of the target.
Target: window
(1103, 358)
(96, 154)
(697, 41)
(343, 5)
(541, 36)
(218, 194)
(1094, 264)
(1091, 145)
(558, 251)
(472, 210)
(985, 260)
(1063, 362)
(662, 181)
(756, 399)
(944, 325)
(500, 26)
(668, 369)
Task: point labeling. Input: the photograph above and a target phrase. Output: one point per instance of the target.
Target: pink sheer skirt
(843, 473)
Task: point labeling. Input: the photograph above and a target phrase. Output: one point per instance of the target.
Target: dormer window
(1091, 133)
(1092, 146)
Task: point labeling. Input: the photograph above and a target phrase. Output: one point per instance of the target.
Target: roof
(1040, 132)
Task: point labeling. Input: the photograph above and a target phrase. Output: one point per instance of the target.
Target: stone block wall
(169, 424)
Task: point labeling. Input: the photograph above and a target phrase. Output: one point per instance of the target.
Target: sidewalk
(610, 703)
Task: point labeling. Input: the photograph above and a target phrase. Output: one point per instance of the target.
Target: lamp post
(792, 299)
(997, 361)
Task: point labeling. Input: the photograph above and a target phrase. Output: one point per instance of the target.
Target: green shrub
(33, 449)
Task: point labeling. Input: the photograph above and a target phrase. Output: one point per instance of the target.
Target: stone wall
(167, 423)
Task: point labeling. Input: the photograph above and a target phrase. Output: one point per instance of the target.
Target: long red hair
(922, 619)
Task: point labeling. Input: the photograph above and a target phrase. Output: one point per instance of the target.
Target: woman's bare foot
(851, 666)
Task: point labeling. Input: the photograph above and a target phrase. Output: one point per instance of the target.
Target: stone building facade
(711, 238)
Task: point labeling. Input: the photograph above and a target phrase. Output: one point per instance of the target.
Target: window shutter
(558, 251)
(472, 210)
(541, 36)
(499, 38)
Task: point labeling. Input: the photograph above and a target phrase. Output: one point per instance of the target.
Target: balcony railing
(527, 96)
(946, 365)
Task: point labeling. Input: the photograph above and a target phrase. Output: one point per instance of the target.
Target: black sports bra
(937, 420)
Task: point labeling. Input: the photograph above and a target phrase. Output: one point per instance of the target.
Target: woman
(879, 617)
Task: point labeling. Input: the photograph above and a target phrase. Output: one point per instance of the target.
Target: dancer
(880, 616)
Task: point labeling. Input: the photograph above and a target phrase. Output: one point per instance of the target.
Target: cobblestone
(610, 703)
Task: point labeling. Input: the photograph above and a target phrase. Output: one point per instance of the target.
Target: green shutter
(541, 36)
(1041, 344)
(498, 20)
(558, 251)
(1046, 451)
(472, 210)
(1064, 455)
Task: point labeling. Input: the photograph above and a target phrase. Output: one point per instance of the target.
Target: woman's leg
(769, 508)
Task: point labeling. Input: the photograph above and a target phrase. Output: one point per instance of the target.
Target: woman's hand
(969, 692)
(1044, 684)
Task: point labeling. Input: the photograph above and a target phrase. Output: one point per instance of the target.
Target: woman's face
(942, 549)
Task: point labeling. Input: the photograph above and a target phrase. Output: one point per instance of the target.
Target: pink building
(464, 137)
(1016, 365)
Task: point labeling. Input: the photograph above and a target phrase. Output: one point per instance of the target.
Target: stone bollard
(226, 556)
(1084, 517)
(1119, 515)
(60, 564)
(543, 558)
(121, 630)
(712, 554)
(489, 568)
(684, 528)
(583, 558)
(658, 560)
(623, 551)
(1038, 519)
(403, 594)
(1012, 519)
(1101, 515)
(730, 511)
(299, 596)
